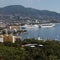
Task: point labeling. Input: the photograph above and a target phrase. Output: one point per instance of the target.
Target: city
(29, 30)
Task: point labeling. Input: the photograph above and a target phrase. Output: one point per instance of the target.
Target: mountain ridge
(31, 12)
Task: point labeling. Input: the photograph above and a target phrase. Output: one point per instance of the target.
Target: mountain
(30, 12)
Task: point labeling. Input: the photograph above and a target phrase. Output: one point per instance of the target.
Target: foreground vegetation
(15, 51)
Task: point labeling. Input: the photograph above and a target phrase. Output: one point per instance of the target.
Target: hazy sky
(52, 5)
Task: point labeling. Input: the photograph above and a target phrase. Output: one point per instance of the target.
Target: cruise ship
(30, 26)
(47, 25)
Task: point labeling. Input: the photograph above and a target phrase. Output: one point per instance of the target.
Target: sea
(52, 33)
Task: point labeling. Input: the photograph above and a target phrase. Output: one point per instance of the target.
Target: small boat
(47, 25)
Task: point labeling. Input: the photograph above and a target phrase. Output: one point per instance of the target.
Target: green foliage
(49, 51)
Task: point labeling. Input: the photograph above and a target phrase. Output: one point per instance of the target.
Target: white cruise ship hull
(47, 25)
(30, 26)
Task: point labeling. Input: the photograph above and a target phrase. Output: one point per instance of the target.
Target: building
(1, 38)
(14, 27)
(2, 25)
(9, 38)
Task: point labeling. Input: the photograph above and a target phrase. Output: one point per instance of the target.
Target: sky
(51, 5)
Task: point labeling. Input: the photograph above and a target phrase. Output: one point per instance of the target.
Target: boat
(47, 25)
(30, 26)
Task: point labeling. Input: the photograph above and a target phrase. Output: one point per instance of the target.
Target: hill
(30, 12)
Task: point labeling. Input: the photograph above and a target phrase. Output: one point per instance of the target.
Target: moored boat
(47, 25)
(30, 26)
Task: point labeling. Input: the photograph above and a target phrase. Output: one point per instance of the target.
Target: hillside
(30, 12)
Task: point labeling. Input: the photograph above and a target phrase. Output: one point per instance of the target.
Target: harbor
(52, 33)
(31, 26)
